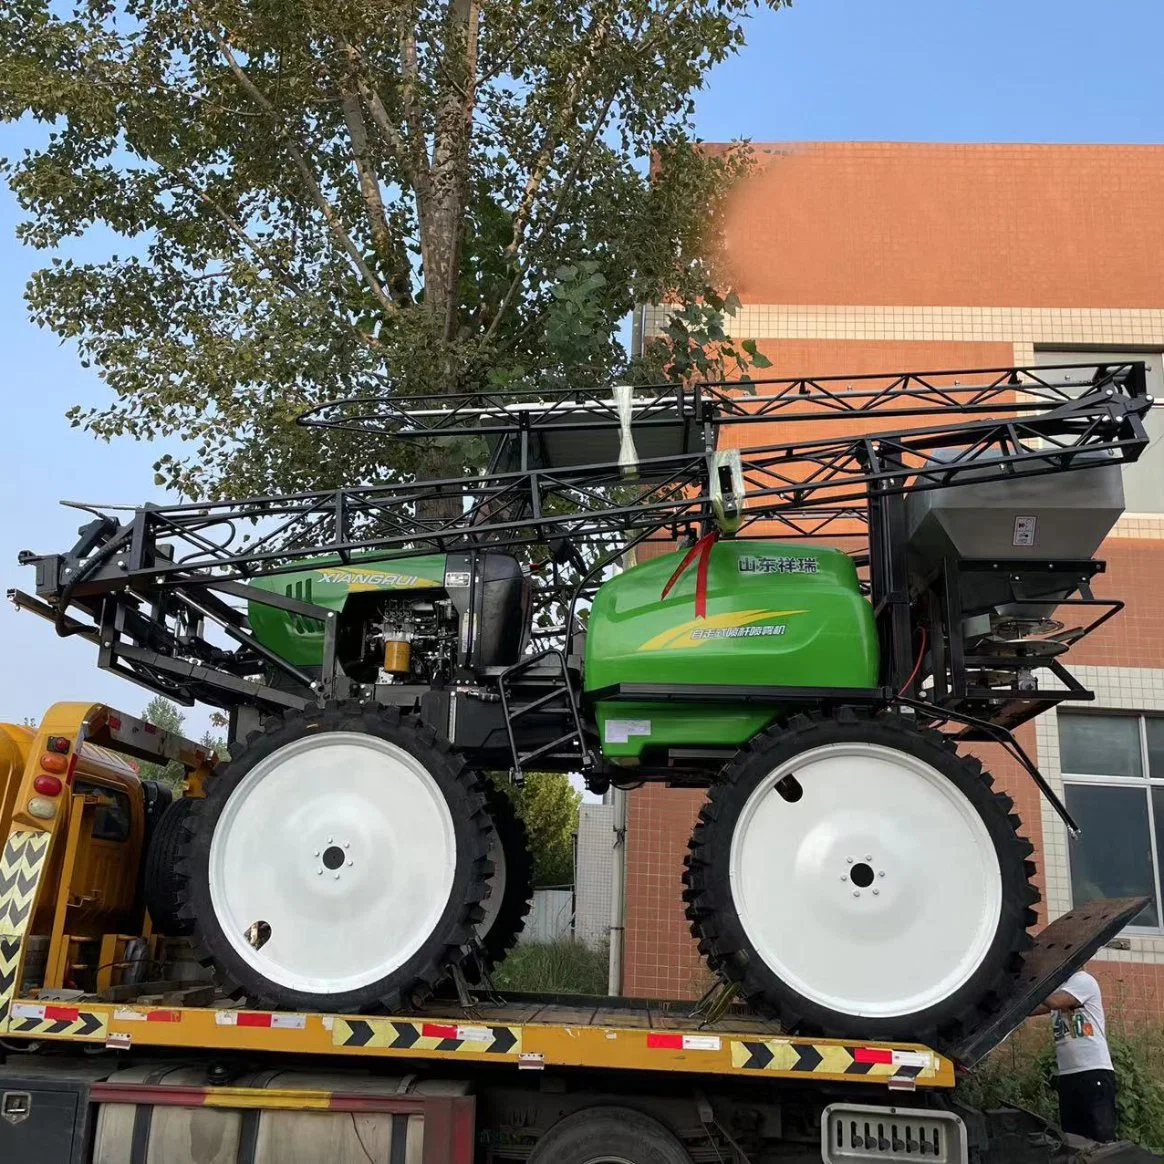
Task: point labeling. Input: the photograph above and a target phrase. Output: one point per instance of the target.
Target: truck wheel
(337, 863)
(510, 884)
(858, 878)
(163, 886)
(608, 1135)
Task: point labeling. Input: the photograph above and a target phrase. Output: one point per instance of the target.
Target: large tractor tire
(858, 878)
(164, 886)
(510, 882)
(337, 863)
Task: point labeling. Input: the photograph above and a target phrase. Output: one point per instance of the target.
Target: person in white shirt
(1086, 1081)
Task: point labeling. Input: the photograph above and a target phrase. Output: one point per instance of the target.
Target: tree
(164, 715)
(323, 198)
(548, 804)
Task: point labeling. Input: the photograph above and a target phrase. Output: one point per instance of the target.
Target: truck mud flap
(1064, 946)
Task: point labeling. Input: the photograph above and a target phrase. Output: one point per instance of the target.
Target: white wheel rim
(344, 845)
(897, 943)
(495, 884)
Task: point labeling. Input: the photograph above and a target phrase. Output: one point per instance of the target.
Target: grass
(1021, 1072)
(561, 967)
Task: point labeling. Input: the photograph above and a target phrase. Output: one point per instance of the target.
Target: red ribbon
(702, 551)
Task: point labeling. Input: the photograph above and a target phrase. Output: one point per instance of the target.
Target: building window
(1113, 780)
(1143, 480)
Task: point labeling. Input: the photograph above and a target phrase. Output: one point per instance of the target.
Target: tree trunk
(443, 218)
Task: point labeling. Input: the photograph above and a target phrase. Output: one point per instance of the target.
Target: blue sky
(921, 70)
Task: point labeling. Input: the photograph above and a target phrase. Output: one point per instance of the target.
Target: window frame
(1145, 781)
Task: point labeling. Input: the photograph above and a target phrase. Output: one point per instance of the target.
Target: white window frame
(1146, 782)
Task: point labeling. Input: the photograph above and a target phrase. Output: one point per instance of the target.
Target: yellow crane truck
(118, 1047)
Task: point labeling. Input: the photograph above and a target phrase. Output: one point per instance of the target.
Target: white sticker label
(701, 1043)
(226, 1018)
(475, 1034)
(127, 1014)
(24, 1011)
(294, 1022)
(1024, 530)
(912, 1059)
(618, 731)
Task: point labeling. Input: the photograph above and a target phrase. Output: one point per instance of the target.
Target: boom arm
(151, 581)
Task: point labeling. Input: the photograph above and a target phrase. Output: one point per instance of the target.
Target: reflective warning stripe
(256, 1018)
(394, 1035)
(668, 1041)
(20, 869)
(133, 1014)
(785, 1055)
(21, 866)
(49, 1020)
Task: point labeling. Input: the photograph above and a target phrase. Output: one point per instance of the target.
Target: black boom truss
(587, 475)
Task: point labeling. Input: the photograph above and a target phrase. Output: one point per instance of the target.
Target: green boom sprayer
(630, 590)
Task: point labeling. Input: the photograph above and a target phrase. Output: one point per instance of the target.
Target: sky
(897, 70)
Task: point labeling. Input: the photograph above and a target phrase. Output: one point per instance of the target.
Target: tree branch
(551, 221)
(300, 162)
(565, 114)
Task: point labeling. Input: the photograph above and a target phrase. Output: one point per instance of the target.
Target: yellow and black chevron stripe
(791, 1057)
(20, 869)
(61, 1021)
(9, 966)
(397, 1035)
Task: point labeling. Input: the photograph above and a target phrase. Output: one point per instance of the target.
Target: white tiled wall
(1117, 689)
(593, 877)
(1022, 326)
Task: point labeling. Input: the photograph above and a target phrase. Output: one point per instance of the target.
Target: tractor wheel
(510, 893)
(858, 878)
(163, 886)
(337, 863)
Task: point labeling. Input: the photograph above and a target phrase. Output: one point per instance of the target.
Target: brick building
(855, 258)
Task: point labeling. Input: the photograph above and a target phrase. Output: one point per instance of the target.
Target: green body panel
(777, 616)
(328, 583)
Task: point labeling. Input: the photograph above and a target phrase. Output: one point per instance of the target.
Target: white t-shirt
(1080, 1034)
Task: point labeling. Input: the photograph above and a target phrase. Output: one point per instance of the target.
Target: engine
(413, 620)
(412, 639)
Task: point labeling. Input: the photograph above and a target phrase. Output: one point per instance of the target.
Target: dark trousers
(1087, 1104)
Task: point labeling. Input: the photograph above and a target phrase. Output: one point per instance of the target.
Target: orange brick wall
(1135, 637)
(951, 225)
(885, 225)
(660, 956)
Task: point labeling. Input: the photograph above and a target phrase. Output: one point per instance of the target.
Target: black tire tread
(452, 940)
(164, 885)
(517, 899)
(722, 942)
(598, 1133)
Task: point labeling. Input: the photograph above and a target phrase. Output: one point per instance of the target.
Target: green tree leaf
(316, 200)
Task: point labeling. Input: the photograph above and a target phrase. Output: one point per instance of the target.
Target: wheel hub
(342, 846)
(876, 891)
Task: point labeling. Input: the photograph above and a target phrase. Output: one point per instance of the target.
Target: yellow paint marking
(681, 635)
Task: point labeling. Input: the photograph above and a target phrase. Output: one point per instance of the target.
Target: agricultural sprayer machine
(640, 586)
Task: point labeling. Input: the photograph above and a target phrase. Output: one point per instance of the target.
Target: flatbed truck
(117, 1047)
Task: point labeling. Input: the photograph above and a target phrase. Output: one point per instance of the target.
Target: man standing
(1087, 1089)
